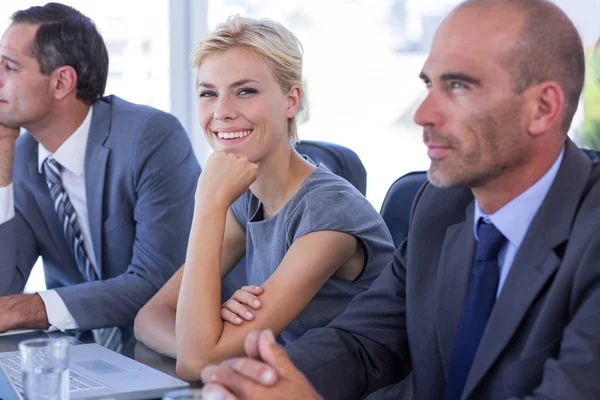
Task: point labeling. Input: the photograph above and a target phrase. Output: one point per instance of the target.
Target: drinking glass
(45, 368)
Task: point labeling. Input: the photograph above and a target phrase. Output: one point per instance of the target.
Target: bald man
(495, 294)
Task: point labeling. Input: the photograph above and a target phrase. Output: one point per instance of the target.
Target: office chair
(398, 201)
(338, 159)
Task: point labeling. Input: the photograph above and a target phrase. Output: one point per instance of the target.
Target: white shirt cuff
(7, 204)
(59, 316)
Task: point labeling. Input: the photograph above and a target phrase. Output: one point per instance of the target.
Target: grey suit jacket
(543, 337)
(140, 176)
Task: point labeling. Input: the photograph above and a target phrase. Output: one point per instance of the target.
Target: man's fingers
(273, 354)
(255, 370)
(251, 345)
(236, 383)
(213, 391)
(207, 373)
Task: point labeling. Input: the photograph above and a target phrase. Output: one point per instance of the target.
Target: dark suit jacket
(140, 176)
(543, 337)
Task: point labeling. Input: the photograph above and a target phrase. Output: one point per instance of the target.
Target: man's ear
(294, 98)
(64, 81)
(546, 107)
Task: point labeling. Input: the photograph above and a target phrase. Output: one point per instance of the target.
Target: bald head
(548, 48)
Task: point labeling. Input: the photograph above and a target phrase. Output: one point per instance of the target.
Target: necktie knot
(52, 163)
(52, 170)
(490, 242)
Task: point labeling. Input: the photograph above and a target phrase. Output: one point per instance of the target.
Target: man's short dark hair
(67, 37)
(549, 49)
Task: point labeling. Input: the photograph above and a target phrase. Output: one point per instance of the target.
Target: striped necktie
(68, 219)
(108, 337)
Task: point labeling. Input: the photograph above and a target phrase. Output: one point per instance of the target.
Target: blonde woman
(312, 242)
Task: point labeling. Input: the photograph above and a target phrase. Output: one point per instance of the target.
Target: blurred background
(361, 66)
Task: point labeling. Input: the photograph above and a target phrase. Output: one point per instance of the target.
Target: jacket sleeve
(18, 253)
(165, 172)
(364, 348)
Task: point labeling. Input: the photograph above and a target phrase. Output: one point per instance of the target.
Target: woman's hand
(8, 136)
(224, 178)
(235, 310)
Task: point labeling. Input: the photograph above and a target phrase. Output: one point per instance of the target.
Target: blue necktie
(477, 308)
(68, 219)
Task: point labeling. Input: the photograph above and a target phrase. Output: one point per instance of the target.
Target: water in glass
(46, 383)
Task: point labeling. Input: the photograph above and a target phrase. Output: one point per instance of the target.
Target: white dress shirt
(514, 218)
(71, 155)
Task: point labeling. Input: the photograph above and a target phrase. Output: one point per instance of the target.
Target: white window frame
(188, 22)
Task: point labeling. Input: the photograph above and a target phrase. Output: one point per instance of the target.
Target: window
(361, 66)
(137, 39)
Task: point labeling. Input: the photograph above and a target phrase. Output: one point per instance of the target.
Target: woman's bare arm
(155, 323)
(307, 265)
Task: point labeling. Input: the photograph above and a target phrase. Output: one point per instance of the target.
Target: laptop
(95, 372)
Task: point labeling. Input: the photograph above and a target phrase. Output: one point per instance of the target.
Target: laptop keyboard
(77, 381)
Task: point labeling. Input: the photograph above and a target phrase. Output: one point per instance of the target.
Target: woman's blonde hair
(279, 47)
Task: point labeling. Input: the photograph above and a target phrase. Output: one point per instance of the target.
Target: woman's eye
(247, 91)
(207, 94)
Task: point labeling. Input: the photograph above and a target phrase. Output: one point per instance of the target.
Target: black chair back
(398, 201)
(339, 159)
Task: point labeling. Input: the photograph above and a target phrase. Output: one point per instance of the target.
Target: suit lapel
(456, 260)
(535, 263)
(96, 156)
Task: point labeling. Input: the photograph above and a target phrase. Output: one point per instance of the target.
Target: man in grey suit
(100, 188)
(495, 293)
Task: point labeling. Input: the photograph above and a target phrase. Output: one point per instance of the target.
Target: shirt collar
(71, 154)
(514, 218)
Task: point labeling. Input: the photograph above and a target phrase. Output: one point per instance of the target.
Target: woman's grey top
(324, 202)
